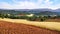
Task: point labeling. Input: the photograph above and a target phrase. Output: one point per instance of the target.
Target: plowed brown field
(15, 28)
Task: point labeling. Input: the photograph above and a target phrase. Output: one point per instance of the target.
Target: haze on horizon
(29, 4)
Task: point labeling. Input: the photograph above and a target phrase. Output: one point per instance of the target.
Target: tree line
(32, 18)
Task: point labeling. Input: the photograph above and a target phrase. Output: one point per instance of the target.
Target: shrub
(23, 17)
(42, 19)
(33, 18)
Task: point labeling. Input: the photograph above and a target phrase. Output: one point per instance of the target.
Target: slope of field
(15, 28)
(53, 20)
(48, 25)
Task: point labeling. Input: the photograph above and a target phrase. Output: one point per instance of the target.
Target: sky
(29, 4)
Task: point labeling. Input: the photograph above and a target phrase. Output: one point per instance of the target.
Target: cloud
(48, 2)
(29, 4)
(18, 5)
(25, 5)
(5, 5)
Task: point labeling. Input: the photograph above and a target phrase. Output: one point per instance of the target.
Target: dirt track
(14, 28)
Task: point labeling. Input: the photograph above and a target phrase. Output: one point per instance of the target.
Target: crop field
(18, 28)
(48, 25)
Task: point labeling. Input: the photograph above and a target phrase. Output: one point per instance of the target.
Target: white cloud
(5, 5)
(28, 5)
(48, 2)
(25, 5)
(19, 5)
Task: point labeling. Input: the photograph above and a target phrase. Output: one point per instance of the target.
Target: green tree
(33, 18)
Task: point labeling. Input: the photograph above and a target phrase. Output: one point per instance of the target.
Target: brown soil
(14, 28)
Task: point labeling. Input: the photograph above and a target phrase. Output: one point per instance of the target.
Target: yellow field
(48, 25)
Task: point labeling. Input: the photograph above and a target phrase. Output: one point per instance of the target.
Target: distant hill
(48, 13)
(34, 11)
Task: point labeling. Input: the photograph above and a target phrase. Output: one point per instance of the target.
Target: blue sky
(29, 4)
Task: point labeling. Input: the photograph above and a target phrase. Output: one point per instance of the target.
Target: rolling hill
(34, 11)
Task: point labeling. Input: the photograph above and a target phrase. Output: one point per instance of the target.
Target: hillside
(47, 13)
(15, 28)
(48, 25)
(34, 11)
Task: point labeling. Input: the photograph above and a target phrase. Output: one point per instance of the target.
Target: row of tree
(32, 18)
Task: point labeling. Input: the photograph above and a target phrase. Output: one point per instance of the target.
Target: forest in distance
(31, 15)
